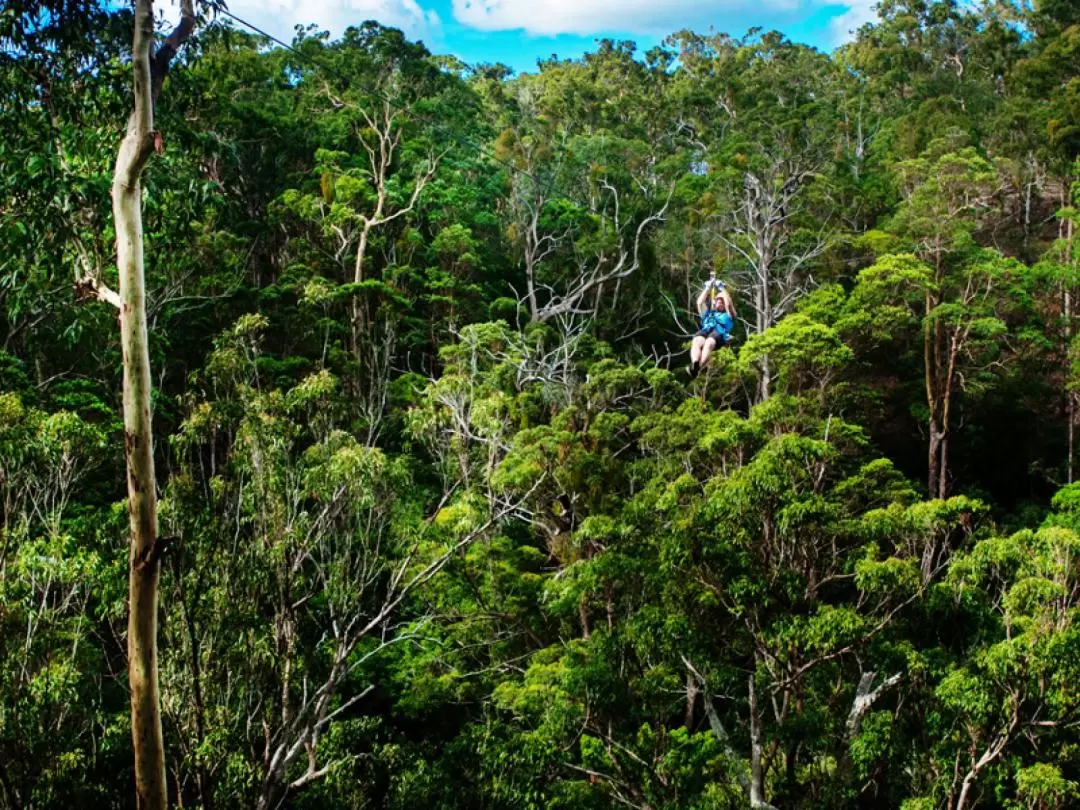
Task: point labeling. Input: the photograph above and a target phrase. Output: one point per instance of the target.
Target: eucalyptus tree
(357, 223)
(60, 84)
(396, 78)
(303, 551)
(577, 257)
(1010, 693)
(720, 583)
(50, 665)
(761, 114)
(957, 291)
(150, 65)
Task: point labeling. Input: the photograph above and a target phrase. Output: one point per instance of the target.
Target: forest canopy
(445, 520)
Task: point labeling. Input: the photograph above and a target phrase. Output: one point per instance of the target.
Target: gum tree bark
(149, 66)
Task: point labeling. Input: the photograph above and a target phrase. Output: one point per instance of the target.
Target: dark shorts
(714, 334)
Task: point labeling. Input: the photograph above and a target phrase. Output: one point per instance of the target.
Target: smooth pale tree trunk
(757, 750)
(359, 319)
(136, 149)
(764, 321)
(1067, 310)
(1069, 393)
(939, 369)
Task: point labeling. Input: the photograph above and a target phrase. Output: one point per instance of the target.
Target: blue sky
(518, 32)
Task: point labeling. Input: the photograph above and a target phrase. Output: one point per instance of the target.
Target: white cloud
(280, 17)
(546, 17)
(550, 17)
(859, 12)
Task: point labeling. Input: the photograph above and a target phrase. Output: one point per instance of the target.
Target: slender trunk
(946, 382)
(1072, 435)
(138, 145)
(757, 772)
(765, 382)
(1028, 188)
(990, 755)
(761, 295)
(202, 778)
(359, 319)
(932, 335)
(764, 318)
(937, 457)
(142, 507)
(146, 733)
(179, 787)
(929, 377)
(692, 692)
(965, 790)
(859, 148)
(1067, 310)
(530, 281)
(931, 462)
(609, 593)
(943, 466)
(791, 761)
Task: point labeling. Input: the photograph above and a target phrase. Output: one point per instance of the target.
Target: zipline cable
(552, 190)
(461, 140)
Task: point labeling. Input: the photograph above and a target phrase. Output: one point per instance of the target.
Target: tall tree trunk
(138, 436)
(932, 471)
(692, 692)
(1067, 311)
(765, 381)
(138, 145)
(943, 466)
(938, 372)
(757, 771)
(764, 321)
(359, 320)
(203, 780)
(929, 379)
(1072, 435)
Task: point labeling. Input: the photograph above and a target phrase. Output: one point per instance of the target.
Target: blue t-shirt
(715, 321)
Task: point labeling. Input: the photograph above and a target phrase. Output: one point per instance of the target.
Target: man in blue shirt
(715, 311)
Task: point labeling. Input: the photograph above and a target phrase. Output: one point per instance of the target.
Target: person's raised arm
(703, 300)
(730, 303)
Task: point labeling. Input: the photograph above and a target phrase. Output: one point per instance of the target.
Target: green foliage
(432, 543)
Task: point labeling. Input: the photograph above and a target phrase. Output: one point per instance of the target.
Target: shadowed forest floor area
(445, 521)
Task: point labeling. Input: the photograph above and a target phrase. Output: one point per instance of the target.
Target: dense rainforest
(445, 522)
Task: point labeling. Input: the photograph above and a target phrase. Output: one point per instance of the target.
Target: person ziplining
(716, 312)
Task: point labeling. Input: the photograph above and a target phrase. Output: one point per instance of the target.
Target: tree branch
(627, 265)
(90, 287)
(162, 58)
(864, 699)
